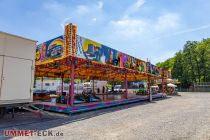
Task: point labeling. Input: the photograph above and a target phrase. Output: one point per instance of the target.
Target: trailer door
(16, 79)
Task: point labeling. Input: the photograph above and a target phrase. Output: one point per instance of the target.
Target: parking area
(178, 117)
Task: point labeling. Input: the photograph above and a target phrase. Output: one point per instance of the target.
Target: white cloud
(192, 29)
(129, 27)
(134, 35)
(185, 31)
(128, 33)
(166, 22)
(79, 14)
(100, 5)
(89, 9)
(94, 19)
(134, 7)
(82, 10)
(64, 22)
(53, 5)
(141, 27)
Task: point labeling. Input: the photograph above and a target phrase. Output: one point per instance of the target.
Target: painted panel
(91, 50)
(78, 46)
(50, 50)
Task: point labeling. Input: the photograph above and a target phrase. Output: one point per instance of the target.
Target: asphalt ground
(176, 117)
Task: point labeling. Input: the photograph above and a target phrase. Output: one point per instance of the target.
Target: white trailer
(17, 59)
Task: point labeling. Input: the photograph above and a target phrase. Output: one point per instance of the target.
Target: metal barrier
(194, 89)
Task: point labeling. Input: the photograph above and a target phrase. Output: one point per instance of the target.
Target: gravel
(178, 117)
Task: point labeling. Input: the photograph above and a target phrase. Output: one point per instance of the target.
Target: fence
(198, 87)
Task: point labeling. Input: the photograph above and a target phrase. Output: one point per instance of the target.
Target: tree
(168, 64)
(192, 64)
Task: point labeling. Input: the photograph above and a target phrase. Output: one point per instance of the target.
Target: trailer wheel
(2, 111)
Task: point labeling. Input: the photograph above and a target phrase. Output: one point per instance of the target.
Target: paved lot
(181, 117)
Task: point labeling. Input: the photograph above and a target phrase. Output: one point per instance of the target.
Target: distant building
(55, 85)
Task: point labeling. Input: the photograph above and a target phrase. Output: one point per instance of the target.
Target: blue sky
(153, 29)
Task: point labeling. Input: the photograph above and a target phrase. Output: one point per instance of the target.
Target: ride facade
(75, 57)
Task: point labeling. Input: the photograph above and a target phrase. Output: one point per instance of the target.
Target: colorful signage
(78, 46)
(67, 36)
(74, 39)
(91, 50)
(50, 50)
(70, 39)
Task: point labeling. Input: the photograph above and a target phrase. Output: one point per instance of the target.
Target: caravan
(16, 63)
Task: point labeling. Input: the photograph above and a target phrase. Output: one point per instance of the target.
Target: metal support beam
(162, 83)
(42, 80)
(93, 86)
(126, 86)
(61, 84)
(72, 84)
(149, 89)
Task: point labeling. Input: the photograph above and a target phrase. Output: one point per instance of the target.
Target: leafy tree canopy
(192, 64)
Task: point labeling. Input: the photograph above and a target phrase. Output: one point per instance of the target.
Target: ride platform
(77, 108)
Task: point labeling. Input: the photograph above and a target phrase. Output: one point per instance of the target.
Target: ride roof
(91, 59)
